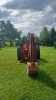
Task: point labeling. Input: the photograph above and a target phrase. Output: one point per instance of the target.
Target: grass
(15, 84)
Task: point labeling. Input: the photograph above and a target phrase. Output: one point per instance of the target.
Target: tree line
(47, 37)
(11, 34)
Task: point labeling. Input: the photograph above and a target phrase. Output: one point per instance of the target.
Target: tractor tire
(38, 52)
(19, 52)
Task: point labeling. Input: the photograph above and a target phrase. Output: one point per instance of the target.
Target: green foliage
(15, 84)
(11, 43)
(2, 28)
(47, 37)
(23, 39)
(55, 38)
(38, 42)
(8, 31)
(10, 34)
(28, 35)
(53, 34)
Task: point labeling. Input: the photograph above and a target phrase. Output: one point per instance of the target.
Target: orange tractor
(31, 51)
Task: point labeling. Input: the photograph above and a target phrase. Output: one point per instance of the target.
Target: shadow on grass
(44, 78)
(43, 60)
(25, 61)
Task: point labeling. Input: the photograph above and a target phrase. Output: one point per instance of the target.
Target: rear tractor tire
(19, 52)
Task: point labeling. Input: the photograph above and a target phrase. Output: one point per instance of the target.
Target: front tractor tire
(19, 52)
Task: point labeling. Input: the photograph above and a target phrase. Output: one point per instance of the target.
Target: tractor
(31, 51)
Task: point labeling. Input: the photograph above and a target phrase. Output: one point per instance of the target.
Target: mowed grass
(15, 84)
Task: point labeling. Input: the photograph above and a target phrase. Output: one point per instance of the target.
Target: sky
(29, 15)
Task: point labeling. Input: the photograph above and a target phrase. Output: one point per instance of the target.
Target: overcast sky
(29, 15)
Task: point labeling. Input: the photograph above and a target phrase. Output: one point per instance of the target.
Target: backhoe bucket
(32, 67)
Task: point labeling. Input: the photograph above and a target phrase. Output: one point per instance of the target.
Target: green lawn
(15, 84)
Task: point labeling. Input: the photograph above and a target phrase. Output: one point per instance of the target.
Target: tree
(2, 28)
(53, 34)
(45, 36)
(55, 38)
(38, 41)
(28, 35)
(23, 39)
(12, 33)
(8, 31)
